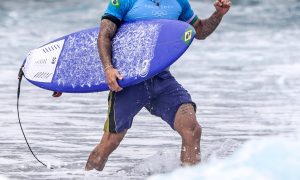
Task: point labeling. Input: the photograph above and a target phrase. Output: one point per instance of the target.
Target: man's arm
(106, 33)
(205, 27)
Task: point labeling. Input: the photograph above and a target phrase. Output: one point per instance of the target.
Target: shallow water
(244, 80)
(273, 158)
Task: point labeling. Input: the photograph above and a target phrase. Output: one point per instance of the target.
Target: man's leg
(187, 126)
(99, 156)
(122, 107)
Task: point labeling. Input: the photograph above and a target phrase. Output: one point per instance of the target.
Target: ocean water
(265, 159)
(244, 79)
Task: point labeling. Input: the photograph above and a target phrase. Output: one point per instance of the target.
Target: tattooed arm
(106, 33)
(205, 27)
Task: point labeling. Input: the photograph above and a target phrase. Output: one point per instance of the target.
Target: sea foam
(267, 159)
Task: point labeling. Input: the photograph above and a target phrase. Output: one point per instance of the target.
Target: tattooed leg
(190, 130)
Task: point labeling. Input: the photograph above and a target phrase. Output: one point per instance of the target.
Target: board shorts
(161, 95)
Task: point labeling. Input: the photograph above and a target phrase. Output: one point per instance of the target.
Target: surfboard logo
(53, 60)
(115, 3)
(145, 68)
(187, 37)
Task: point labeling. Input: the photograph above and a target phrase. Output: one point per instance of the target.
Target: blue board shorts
(161, 95)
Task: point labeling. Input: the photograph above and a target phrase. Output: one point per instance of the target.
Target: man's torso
(147, 9)
(132, 10)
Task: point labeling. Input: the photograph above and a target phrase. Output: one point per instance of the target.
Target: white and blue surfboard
(141, 50)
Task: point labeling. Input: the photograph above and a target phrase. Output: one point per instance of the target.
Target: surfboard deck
(140, 50)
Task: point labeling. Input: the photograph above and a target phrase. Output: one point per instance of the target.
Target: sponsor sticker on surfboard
(41, 62)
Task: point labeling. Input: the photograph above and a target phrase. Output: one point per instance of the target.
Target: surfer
(161, 95)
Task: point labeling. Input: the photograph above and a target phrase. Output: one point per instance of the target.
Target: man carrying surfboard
(166, 98)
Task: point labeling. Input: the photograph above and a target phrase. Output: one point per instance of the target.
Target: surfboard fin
(56, 94)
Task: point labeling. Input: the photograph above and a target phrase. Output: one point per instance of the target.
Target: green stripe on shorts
(110, 124)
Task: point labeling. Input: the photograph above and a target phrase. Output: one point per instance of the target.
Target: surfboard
(140, 50)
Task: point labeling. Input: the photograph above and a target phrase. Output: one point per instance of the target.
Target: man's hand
(111, 78)
(222, 6)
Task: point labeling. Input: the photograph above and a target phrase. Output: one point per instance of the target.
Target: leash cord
(20, 75)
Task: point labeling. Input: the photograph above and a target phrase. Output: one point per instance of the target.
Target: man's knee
(186, 123)
(194, 130)
(113, 139)
(191, 136)
(197, 130)
(113, 143)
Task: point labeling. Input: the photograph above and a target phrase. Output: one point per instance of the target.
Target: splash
(271, 158)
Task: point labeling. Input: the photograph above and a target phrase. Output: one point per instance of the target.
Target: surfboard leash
(20, 76)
